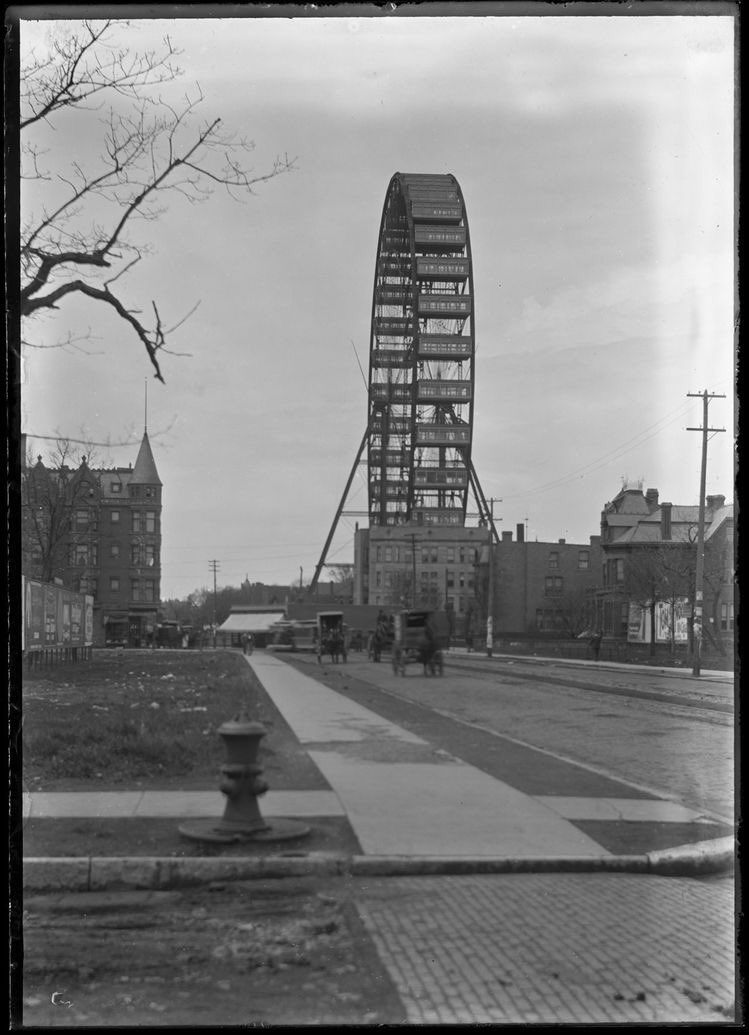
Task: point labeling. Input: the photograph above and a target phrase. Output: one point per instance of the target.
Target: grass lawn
(129, 720)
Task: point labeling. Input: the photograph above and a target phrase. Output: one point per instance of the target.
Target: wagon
(420, 636)
(331, 635)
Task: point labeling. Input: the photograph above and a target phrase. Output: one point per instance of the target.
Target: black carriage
(331, 636)
(421, 636)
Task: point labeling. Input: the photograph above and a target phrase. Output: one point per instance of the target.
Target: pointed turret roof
(144, 472)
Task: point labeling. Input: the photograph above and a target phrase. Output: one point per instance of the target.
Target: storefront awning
(251, 623)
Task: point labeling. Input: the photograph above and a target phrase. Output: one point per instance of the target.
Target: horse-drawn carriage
(331, 636)
(420, 636)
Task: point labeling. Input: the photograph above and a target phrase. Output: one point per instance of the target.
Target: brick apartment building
(543, 587)
(414, 565)
(546, 588)
(98, 531)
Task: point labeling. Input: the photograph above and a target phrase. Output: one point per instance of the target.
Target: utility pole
(699, 574)
(490, 593)
(412, 537)
(214, 566)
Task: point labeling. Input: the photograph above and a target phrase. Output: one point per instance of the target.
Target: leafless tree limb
(151, 150)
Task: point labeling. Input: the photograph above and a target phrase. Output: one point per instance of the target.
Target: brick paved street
(563, 948)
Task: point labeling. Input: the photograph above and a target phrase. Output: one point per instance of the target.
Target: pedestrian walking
(595, 643)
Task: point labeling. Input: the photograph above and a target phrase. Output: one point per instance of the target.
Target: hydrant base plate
(274, 830)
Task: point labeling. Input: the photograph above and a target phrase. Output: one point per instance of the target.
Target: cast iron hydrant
(242, 784)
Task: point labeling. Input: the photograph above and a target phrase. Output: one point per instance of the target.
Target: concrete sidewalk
(413, 808)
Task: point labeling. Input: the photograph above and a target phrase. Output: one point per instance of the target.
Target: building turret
(144, 472)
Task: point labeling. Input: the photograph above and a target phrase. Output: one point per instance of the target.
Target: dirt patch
(255, 953)
(115, 838)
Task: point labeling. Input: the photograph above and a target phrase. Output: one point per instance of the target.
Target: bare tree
(51, 496)
(576, 609)
(659, 573)
(77, 239)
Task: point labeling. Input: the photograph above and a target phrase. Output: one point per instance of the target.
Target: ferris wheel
(421, 358)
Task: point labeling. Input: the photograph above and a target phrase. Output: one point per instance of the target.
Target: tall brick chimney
(652, 498)
(520, 533)
(665, 521)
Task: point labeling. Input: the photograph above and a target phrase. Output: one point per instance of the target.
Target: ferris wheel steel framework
(421, 364)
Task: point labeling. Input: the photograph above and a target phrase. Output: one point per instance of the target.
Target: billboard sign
(638, 626)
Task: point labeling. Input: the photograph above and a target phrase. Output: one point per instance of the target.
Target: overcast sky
(596, 160)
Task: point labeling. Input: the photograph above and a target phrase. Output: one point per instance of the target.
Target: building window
(137, 516)
(115, 516)
(149, 590)
(619, 570)
(554, 585)
(149, 492)
(726, 617)
(114, 550)
(114, 583)
(583, 560)
(450, 554)
(378, 578)
(450, 579)
(554, 559)
(388, 554)
(135, 490)
(81, 519)
(135, 589)
(115, 488)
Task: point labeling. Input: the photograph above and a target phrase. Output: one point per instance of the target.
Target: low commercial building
(256, 621)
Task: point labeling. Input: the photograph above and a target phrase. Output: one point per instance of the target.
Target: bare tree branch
(150, 151)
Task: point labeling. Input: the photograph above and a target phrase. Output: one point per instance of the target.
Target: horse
(334, 645)
(377, 641)
(429, 653)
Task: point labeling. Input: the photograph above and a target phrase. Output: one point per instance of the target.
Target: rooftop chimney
(507, 537)
(521, 533)
(652, 497)
(665, 521)
(716, 502)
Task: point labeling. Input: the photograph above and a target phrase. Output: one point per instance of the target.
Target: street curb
(95, 873)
